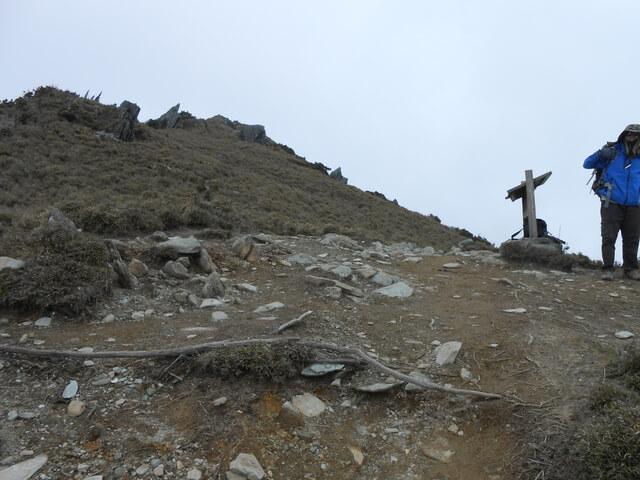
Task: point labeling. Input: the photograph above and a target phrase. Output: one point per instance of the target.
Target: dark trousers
(625, 219)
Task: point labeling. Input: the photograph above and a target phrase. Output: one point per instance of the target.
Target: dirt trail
(545, 361)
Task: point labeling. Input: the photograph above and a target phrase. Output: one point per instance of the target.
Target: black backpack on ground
(543, 232)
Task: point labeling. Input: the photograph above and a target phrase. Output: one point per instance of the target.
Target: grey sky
(441, 105)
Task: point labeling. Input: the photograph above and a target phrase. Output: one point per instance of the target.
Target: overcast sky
(441, 105)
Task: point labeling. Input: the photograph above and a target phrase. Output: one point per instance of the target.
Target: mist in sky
(439, 105)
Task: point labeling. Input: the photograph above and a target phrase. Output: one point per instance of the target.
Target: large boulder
(253, 134)
(127, 121)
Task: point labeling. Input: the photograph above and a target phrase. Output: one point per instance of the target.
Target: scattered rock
(247, 465)
(176, 270)
(623, 334)
(76, 408)
(178, 246)
(269, 307)
(309, 405)
(70, 390)
(219, 316)
(358, 457)
(245, 249)
(447, 352)
(138, 268)
(377, 387)
(23, 470)
(11, 263)
(302, 259)
(319, 369)
(396, 290)
(43, 322)
(516, 310)
(383, 279)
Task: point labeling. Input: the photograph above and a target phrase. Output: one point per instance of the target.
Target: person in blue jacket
(618, 187)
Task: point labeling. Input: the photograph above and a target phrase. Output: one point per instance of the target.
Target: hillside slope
(55, 150)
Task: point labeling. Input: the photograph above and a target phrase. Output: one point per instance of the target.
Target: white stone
(70, 390)
(309, 405)
(447, 352)
(43, 322)
(623, 334)
(515, 310)
(397, 290)
(23, 470)
(194, 474)
(247, 465)
(219, 316)
(269, 307)
(211, 302)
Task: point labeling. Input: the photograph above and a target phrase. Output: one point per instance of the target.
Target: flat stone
(218, 402)
(211, 302)
(219, 316)
(319, 369)
(247, 287)
(396, 290)
(383, 279)
(194, 474)
(515, 310)
(623, 334)
(70, 390)
(23, 470)
(43, 322)
(11, 263)
(342, 271)
(377, 387)
(302, 259)
(269, 307)
(184, 246)
(452, 266)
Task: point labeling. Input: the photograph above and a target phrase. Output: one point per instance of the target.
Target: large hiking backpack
(543, 232)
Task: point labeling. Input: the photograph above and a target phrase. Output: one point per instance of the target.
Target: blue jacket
(623, 173)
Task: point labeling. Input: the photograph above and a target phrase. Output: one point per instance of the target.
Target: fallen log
(204, 347)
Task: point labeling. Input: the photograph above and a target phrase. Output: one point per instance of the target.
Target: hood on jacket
(633, 128)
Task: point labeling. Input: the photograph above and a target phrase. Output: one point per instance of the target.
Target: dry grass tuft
(266, 361)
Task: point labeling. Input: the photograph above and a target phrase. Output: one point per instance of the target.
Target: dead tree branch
(204, 347)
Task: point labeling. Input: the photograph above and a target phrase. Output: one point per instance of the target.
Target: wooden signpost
(525, 192)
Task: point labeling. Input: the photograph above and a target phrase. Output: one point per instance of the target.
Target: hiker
(617, 184)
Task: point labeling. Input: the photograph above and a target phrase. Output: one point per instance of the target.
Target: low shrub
(64, 271)
(267, 361)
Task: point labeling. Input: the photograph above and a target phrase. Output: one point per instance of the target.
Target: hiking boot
(632, 274)
(607, 275)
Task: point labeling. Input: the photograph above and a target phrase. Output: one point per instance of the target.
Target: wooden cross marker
(525, 192)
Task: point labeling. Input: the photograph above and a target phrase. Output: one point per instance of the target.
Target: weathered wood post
(525, 192)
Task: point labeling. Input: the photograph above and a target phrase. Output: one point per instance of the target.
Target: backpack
(607, 153)
(543, 232)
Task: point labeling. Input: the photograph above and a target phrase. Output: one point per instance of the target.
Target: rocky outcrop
(253, 134)
(169, 119)
(127, 121)
(337, 175)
